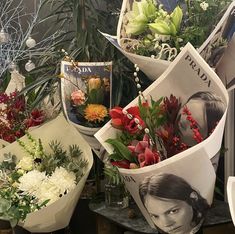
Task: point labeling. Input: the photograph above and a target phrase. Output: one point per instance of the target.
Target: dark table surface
(218, 214)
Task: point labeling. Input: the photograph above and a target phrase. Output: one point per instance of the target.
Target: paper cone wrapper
(56, 215)
(221, 56)
(79, 77)
(231, 196)
(3, 143)
(186, 75)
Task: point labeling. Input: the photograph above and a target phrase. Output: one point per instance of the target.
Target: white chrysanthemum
(204, 5)
(46, 191)
(63, 179)
(31, 181)
(26, 163)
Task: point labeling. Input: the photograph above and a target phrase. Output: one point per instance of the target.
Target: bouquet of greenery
(43, 176)
(151, 34)
(160, 31)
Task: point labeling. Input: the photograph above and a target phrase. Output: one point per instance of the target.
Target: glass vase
(116, 196)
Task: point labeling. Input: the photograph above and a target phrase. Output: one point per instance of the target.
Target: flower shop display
(16, 117)
(218, 49)
(42, 176)
(171, 135)
(154, 33)
(86, 96)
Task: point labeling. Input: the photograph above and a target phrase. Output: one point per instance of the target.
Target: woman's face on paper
(170, 215)
(198, 111)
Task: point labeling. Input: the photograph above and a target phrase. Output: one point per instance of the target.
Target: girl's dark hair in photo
(214, 106)
(170, 186)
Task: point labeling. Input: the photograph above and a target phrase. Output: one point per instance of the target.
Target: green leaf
(120, 149)
(176, 17)
(4, 205)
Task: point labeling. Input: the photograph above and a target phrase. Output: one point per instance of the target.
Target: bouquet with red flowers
(15, 117)
(166, 141)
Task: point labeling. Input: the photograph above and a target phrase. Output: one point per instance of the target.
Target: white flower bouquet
(187, 177)
(42, 176)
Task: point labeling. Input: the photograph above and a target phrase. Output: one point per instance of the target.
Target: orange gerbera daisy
(95, 112)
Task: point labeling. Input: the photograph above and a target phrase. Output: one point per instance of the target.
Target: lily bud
(176, 17)
(160, 27)
(94, 83)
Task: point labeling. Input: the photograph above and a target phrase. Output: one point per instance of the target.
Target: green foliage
(81, 21)
(120, 151)
(112, 175)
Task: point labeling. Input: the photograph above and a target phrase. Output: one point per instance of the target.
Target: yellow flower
(95, 112)
(94, 83)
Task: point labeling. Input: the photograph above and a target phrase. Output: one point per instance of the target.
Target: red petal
(134, 110)
(123, 164)
(116, 112)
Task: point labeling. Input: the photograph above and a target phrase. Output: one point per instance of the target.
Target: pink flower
(78, 97)
(149, 157)
(145, 155)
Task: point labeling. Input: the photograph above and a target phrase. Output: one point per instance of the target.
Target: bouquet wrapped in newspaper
(86, 96)
(42, 176)
(219, 48)
(163, 141)
(151, 34)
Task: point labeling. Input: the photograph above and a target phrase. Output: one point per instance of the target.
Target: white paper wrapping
(186, 75)
(231, 196)
(221, 55)
(57, 215)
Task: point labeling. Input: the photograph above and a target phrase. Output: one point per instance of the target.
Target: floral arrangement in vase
(16, 117)
(160, 31)
(38, 179)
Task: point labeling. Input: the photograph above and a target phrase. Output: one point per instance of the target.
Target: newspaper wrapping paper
(186, 75)
(222, 57)
(231, 196)
(57, 215)
(86, 132)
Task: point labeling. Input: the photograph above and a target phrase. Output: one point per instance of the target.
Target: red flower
(36, 118)
(130, 121)
(149, 157)
(122, 164)
(141, 150)
(116, 117)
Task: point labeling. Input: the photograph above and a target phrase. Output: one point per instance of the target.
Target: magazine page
(152, 68)
(56, 215)
(194, 169)
(231, 197)
(219, 48)
(86, 87)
